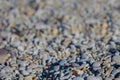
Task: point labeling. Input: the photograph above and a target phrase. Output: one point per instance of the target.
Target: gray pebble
(116, 59)
(24, 72)
(21, 63)
(96, 64)
(78, 78)
(56, 68)
(62, 62)
(107, 79)
(92, 78)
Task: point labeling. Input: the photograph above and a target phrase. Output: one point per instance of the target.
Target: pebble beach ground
(59, 39)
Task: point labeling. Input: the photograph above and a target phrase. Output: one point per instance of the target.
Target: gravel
(59, 40)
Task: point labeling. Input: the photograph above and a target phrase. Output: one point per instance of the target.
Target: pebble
(25, 73)
(92, 78)
(78, 78)
(56, 68)
(29, 77)
(107, 79)
(62, 62)
(4, 55)
(21, 63)
(116, 59)
(96, 64)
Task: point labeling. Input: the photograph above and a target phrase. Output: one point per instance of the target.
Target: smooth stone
(62, 62)
(96, 64)
(71, 60)
(107, 79)
(21, 48)
(92, 78)
(21, 63)
(4, 55)
(77, 78)
(56, 68)
(58, 72)
(75, 64)
(96, 68)
(116, 59)
(25, 73)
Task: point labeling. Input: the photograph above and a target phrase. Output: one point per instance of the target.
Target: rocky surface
(59, 40)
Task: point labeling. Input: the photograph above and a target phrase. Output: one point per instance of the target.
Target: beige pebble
(12, 24)
(104, 29)
(38, 69)
(74, 28)
(21, 77)
(59, 55)
(73, 54)
(55, 31)
(80, 68)
(66, 42)
(14, 68)
(31, 76)
(67, 54)
(36, 78)
(3, 55)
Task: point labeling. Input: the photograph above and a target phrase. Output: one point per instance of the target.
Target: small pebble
(116, 59)
(24, 72)
(56, 68)
(78, 78)
(92, 78)
(4, 55)
(62, 62)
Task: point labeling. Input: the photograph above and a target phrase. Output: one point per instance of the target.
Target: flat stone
(107, 79)
(4, 55)
(24, 72)
(92, 78)
(78, 78)
(116, 59)
(62, 62)
(96, 65)
(56, 68)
